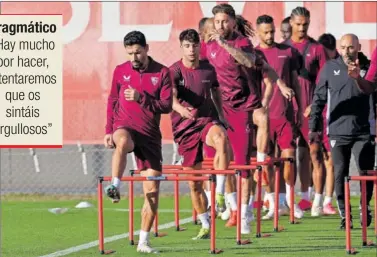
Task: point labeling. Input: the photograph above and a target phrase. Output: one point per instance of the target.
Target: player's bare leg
(270, 189)
(252, 186)
(304, 172)
(318, 170)
(200, 203)
(328, 209)
(290, 153)
(123, 145)
(149, 210)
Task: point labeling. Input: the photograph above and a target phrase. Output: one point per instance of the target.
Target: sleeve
(246, 45)
(112, 101)
(319, 102)
(165, 102)
(174, 75)
(372, 72)
(215, 83)
(321, 55)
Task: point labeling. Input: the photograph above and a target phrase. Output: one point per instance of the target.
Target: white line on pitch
(108, 240)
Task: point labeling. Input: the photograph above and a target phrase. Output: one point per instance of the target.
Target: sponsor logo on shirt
(181, 82)
(206, 81)
(336, 72)
(127, 78)
(282, 56)
(154, 80)
(213, 55)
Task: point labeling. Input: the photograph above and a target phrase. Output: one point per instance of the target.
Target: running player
(313, 57)
(141, 91)
(197, 119)
(283, 59)
(234, 59)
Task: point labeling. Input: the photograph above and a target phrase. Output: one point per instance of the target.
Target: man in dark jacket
(346, 93)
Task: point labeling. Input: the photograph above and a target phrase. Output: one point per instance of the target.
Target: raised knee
(220, 141)
(123, 143)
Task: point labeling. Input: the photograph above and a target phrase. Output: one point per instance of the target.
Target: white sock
(208, 194)
(271, 200)
(116, 182)
(288, 194)
(305, 196)
(265, 198)
(282, 198)
(251, 203)
(232, 197)
(143, 237)
(328, 199)
(261, 157)
(244, 208)
(317, 199)
(310, 192)
(204, 219)
(220, 184)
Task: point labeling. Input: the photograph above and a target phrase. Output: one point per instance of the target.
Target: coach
(347, 96)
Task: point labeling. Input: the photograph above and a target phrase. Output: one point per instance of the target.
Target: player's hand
(307, 111)
(314, 137)
(187, 113)
(108, 141)
(215, 35)
(353, 69)
(130, 94)
(286, 91)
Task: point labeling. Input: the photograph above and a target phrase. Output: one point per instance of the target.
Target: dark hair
(202, 22)
(190, 35)
(265, 19)
(286, 20)
(224, 8)
(300, 11)
(328, 41)
(244, 26)
(134, 38)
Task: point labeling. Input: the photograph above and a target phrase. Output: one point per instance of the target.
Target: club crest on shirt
(181, 82)
(154, 80)
(127, 78)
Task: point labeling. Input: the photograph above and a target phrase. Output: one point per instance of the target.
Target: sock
(327, 200)
(317, 199)
(227, 204)
(282, 198)
(288, 193)
(143, 237)
(251, 203)
(232, 197)
(271, 200)
(116, 182)
(310, 192)
(220, 184)
(305, 196)
(208, 194)
(204, 219)
(244, 208)
(265, 198)
(261, 157)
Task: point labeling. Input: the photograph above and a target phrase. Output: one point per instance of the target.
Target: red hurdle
(371, 175)
(101, 244)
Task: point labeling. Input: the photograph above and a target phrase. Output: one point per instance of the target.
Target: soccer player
(234, 59)
(198, 119)
(348, 124)
(285, 28)
(283, 60)
(372, 72)
(141, 91)
(328, 41)
(312, 58)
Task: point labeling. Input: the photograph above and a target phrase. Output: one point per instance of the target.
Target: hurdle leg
(100, 217)
(213, 216)
(348, 213)
(131, 212)
(194, 216)
(364, 211)
(375, 208)
(292, 194)
(259, 199)
(239, 199)
(277, 190)
(176, 203)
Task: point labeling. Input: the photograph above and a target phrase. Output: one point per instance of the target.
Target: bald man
(347, 117)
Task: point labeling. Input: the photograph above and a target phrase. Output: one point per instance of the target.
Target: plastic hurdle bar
(276, 162)
(234, 170)
(212, 179)
(371, 175)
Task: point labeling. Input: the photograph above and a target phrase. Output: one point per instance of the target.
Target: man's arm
(319, 102)
(245, 58)
(269, 89)
(165, 102)
(112, 100)
(217, 100)
(297, 89)
(372, 72)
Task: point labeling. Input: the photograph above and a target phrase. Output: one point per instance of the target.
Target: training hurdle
(370, 175)
(101, 244)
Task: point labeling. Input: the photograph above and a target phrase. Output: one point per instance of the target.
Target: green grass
(29, 230)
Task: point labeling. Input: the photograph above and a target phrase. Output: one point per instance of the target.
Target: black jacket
(347, 106)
